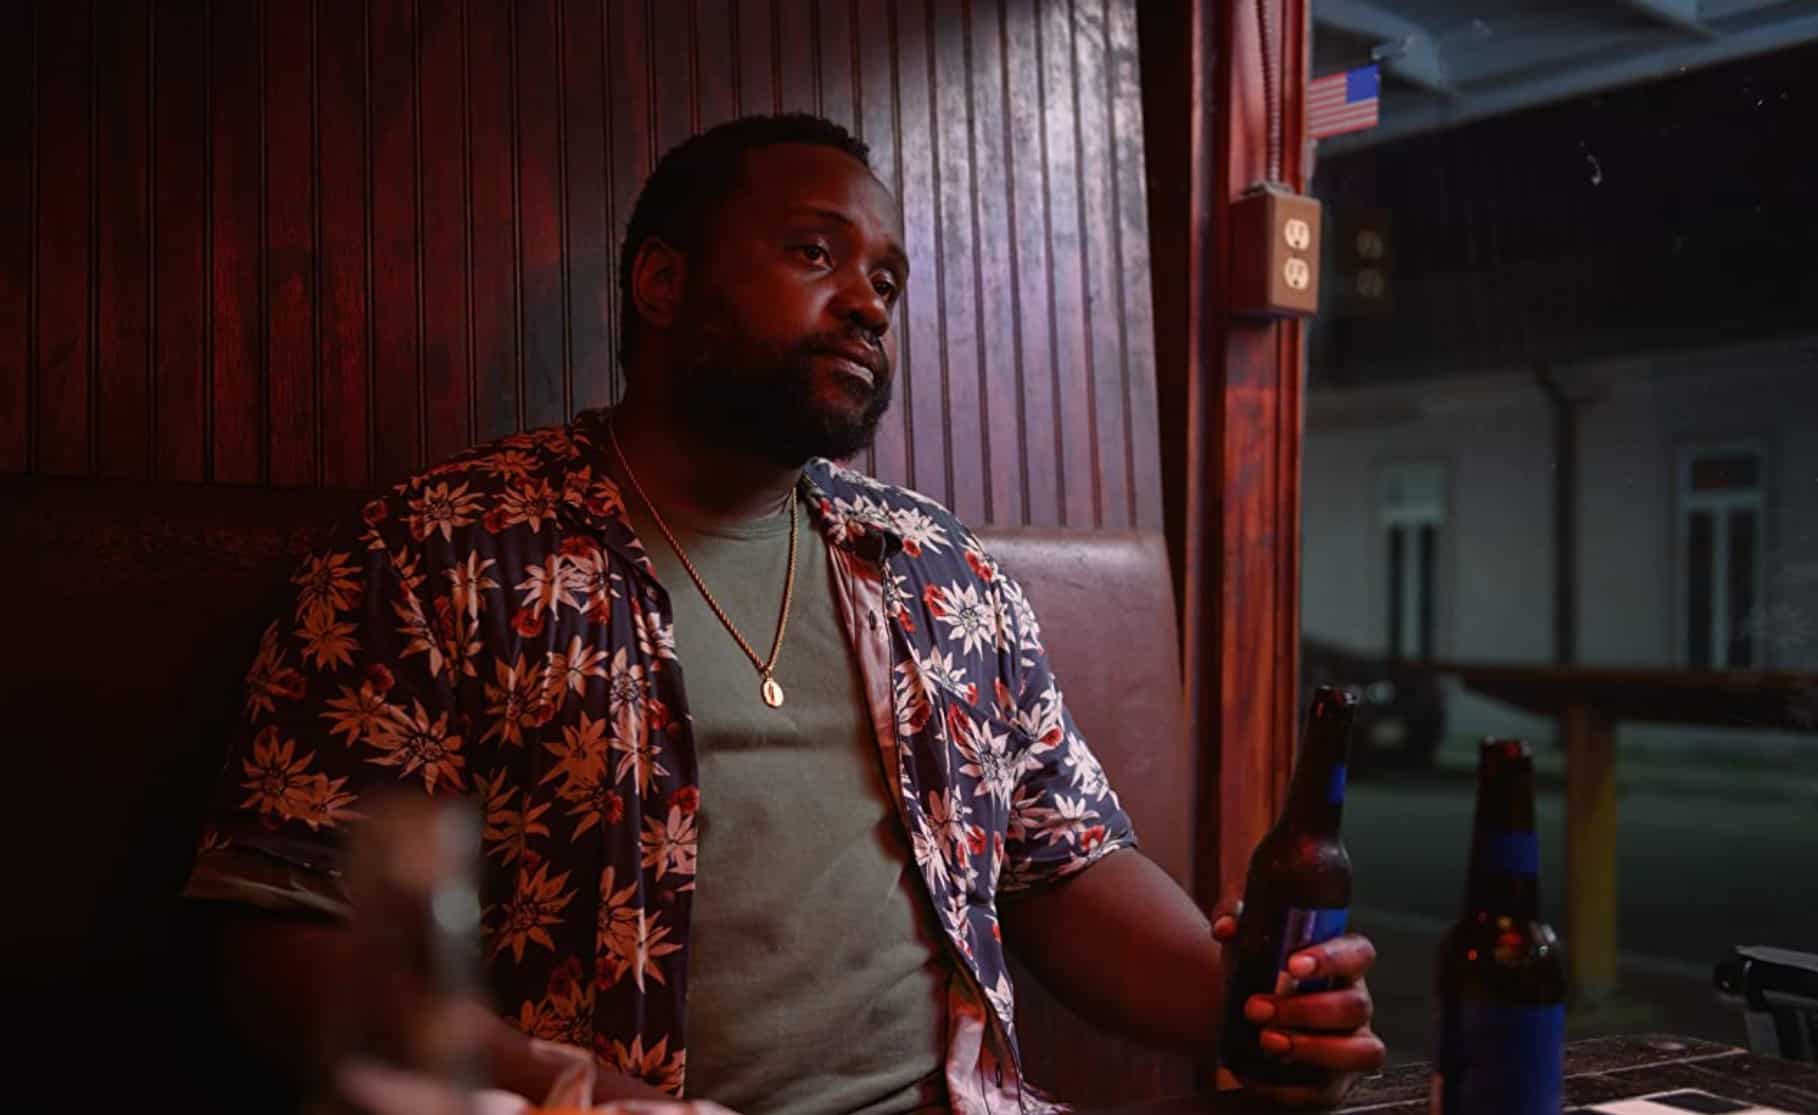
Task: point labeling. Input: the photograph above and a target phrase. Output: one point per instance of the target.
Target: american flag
(1343, 102)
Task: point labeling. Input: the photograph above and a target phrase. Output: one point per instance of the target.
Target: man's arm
(1125, 947)
(287, 985)
(1122, 945)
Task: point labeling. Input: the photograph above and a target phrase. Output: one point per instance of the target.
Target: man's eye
(814, 253)
(886, 289)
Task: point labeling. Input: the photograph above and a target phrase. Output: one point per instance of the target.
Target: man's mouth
(853, 363)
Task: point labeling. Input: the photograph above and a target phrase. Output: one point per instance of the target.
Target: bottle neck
(1505, 852)
(1316, 799)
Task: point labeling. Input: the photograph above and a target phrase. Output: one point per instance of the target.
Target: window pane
(1743, 619)
(1700, 606)
(1565, 361)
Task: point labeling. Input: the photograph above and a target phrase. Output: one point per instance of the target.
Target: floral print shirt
(496, 631)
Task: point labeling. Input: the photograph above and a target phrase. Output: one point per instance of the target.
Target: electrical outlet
(1274, 258)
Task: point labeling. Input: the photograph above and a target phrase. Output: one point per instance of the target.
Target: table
(1598, 1070)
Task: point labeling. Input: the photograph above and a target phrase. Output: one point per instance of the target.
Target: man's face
(785, 332)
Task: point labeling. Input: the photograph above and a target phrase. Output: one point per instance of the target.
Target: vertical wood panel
(922, 391)
(757, 56)
(236, 239)
(1000, 378)
(492, 312)
(396, 213)
(18, 88)
(835, 57)
(1101, 263)
(290, 245)
(672, 64)
(122, 228)
(874, 44)
(1136, 311)
(1029, 213)
(344, 307)
(65, 238)
(330, 243)
(632, 158)
(963, 405)
(716, 56)
(590, 243)
(180, 238)
(541, 206)
(1066, 261)
(797, 72)
(446, 255)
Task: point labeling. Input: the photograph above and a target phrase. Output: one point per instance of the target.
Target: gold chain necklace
(771, 691)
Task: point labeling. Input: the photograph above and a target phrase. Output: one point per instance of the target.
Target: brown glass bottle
(1298, 891)
(1502, 980)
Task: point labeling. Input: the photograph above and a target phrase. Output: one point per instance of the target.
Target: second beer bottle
(1502, 981)
(1297, 894)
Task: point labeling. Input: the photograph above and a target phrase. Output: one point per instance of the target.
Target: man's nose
(866, 308)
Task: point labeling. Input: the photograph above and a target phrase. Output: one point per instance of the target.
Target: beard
(774, 403)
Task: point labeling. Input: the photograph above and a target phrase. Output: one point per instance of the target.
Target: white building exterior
(1691, 467)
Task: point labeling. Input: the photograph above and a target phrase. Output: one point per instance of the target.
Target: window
(1412, 508)
(1720, 554)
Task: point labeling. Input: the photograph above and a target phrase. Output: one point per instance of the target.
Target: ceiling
(1445, 62)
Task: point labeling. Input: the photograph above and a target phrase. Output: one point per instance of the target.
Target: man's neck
(687, 478)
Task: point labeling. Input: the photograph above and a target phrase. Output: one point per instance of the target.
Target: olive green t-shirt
(814, 980)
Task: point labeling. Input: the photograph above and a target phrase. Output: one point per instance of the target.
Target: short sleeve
(348, 696)
(1064, 814)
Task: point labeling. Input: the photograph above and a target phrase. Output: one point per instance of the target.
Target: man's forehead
(800, 178)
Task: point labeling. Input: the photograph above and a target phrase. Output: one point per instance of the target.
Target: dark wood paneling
(399, 240)
(493, 220)
(122, 226)
(291, 276)
(962, 403)
(542, 209)
(64, 373)
(18, 83)
(343, 305)
(1034, 334)
(236, 189)
(588, 250)
(179, 281)
(327, 244)
(1072, 329)
(445, 248)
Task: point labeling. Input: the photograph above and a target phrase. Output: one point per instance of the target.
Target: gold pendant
(773, 693)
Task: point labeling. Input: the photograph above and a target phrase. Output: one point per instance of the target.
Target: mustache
(860, 348)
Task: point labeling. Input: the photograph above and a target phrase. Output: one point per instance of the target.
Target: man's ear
(659, 275)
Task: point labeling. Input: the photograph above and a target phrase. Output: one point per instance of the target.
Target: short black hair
(695, 177)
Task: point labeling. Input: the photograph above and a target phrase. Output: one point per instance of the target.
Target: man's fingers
(1358, 1052)
(1224, 924)
(1337, 1012)
(1344, 958)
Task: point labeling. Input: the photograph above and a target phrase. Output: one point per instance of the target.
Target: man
(870, 769)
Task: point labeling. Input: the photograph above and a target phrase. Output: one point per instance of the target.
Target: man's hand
(1326, 1029)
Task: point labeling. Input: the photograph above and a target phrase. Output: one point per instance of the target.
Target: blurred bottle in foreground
(1502, 978)
(415, 987)
(1297, 893)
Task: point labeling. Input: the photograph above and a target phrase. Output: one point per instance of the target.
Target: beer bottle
(1298, 892)
(1502, 979)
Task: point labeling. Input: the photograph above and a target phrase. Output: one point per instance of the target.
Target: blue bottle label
(1301, 928)
(1501, 1060)
(1335, 789)
(1515, 853)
